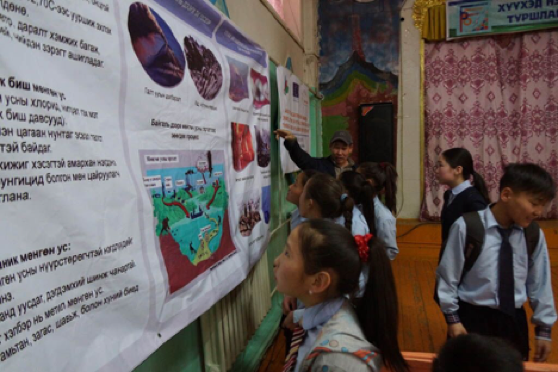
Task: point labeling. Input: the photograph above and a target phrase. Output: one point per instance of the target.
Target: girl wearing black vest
(454, 169)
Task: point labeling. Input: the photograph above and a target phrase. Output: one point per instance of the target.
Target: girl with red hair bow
(321, 266)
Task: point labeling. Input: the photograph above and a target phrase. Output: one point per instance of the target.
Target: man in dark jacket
(340, 145)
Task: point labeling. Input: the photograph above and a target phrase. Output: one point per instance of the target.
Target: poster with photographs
(134, 176)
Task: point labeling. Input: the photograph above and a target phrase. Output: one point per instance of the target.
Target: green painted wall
(183, 352)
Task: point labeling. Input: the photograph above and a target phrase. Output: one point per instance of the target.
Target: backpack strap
(532, 236)
(474, 240)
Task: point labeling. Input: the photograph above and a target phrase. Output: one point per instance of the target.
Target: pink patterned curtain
(496, 97)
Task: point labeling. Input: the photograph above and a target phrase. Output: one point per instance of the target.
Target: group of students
(335, 272)
(494, 256)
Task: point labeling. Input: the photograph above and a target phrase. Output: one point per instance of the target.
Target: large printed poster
(474, 18)
(134, 175)
(294, 110)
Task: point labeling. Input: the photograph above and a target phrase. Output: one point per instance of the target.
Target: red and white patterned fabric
(498, 98)
(296, 341)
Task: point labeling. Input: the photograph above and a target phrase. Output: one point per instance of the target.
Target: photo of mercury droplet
(204, 68)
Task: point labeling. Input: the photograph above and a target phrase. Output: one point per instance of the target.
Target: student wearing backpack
(455, 169)
(483, 283)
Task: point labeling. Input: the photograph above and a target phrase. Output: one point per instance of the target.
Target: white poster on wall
(294, 110)
(134, 175)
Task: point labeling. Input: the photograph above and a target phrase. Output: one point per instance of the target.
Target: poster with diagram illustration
(136, 129)
(190, 201)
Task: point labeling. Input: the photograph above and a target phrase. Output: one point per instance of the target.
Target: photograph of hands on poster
(249, 211)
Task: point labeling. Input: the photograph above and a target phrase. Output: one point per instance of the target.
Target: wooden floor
(422, 327)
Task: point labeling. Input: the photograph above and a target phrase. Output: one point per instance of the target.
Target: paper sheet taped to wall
(294, 108)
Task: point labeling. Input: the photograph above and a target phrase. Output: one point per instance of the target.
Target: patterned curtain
(496, 97)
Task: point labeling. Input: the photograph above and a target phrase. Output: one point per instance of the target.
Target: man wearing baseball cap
(340, 145)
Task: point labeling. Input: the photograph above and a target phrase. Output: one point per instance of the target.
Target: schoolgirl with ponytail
(324, 197)
(320, 265)
(455, 169)
(380, 220)
(383, 177)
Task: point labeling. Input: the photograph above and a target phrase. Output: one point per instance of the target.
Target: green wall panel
(182, 353)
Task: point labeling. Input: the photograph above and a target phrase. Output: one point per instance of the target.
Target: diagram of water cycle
(190, 200)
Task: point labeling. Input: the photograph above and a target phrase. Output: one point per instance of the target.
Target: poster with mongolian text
(294, 110)
(477, 18)
(134, 175)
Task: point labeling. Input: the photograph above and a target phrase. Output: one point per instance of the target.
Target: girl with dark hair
(383, 177)
(379, 219)
(293, 195)
(454, 169)
(324, 197)
(320, 266)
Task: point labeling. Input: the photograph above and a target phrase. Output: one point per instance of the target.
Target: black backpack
(474, 239)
